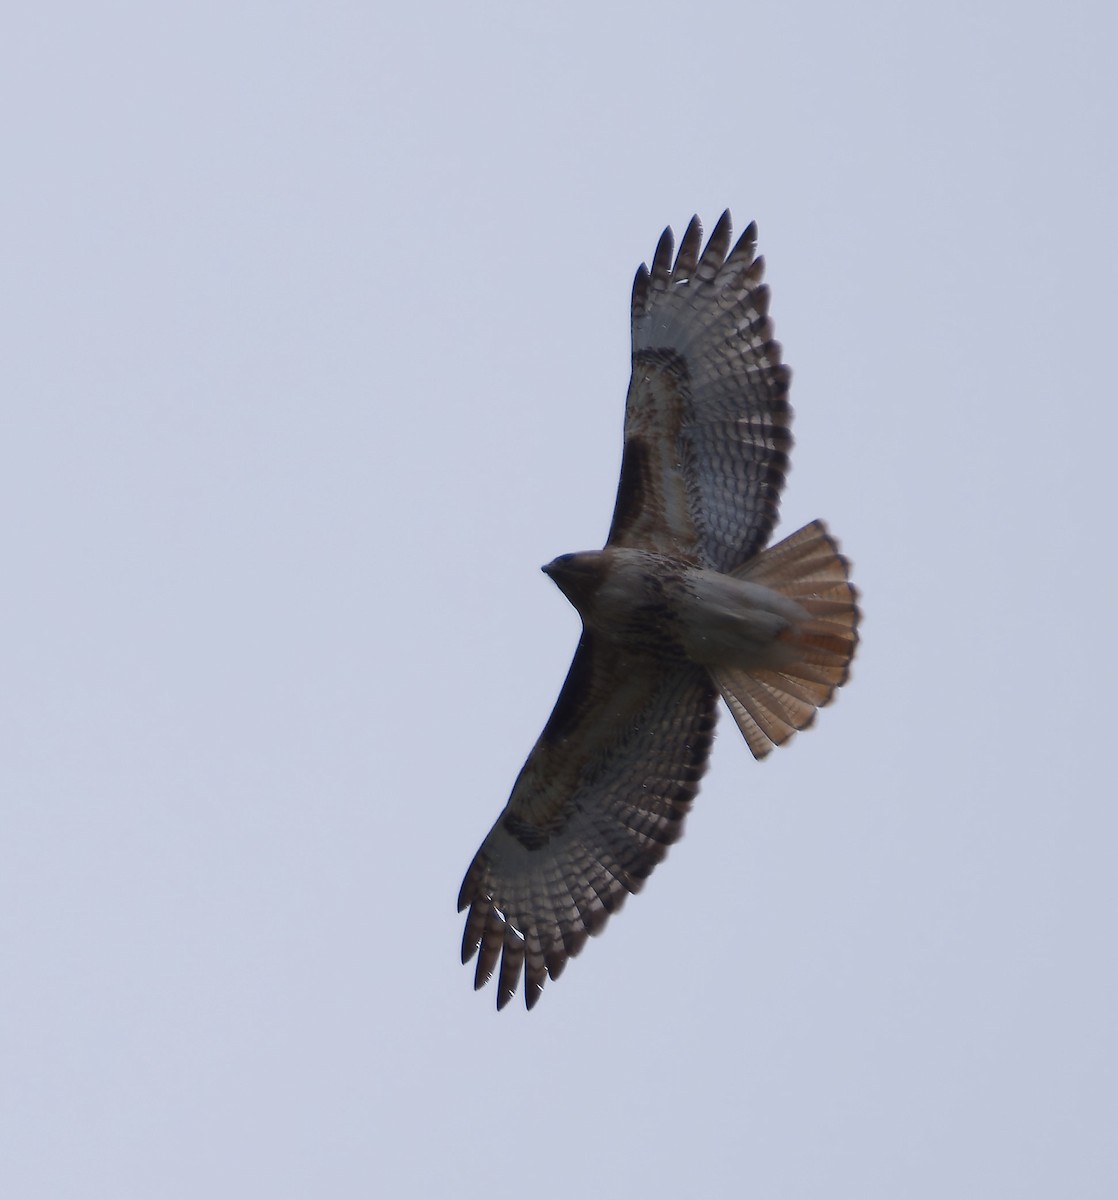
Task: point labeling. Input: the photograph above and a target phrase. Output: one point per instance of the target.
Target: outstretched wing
(707, 415)
(602, 796)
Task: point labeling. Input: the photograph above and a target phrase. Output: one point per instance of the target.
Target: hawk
(684, 604)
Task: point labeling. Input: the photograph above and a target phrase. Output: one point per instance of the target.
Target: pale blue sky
(315, 339)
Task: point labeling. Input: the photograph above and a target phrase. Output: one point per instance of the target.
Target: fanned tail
(769, 704)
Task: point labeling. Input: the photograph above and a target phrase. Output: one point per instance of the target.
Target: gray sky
(315, 345)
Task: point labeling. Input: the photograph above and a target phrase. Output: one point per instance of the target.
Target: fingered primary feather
(582, 831)
(707, 416)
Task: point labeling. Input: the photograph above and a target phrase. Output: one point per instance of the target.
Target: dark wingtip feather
(715, 253)
(640, 291)
(688, 255)
(471, 935)
(746, 245)
(662, 259)
(512, 963)
(722, 234)
(488, 953)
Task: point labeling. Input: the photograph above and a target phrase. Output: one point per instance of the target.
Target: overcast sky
(314, 345)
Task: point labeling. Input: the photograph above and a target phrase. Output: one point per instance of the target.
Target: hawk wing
(707, 415)
(602, 796)
(607, 786)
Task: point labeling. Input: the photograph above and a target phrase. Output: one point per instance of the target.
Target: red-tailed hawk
(682, 605)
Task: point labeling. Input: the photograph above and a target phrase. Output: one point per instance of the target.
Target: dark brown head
(577, 576)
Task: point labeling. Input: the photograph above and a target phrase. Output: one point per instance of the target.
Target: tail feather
(761, 728)
(810, 691)
(770, 704)
(782, 703)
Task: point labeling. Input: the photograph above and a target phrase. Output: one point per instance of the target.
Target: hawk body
(682, 604)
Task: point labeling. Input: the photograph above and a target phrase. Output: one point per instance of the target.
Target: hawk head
(577, 576)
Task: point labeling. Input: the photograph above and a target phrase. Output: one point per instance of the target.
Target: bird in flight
(683, 604)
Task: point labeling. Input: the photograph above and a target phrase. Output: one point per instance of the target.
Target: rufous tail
(768, 703)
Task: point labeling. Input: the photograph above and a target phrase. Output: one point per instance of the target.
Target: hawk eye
(557, 564)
